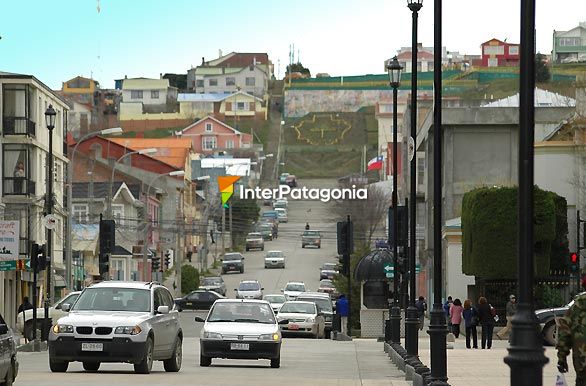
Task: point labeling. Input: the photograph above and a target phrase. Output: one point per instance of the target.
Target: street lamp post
(111, 187)
(394, 69)
(50, 115)
(437, 326)
(411, 317)
(68, 239)
(526, 354)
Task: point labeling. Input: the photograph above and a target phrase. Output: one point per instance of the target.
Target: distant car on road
(293, 289)
(266, 231)
(198, 300)
(325, 307)
(291, 181)
(282, 215)
(275, 259)
(274, 223)
(249, 289)
(328, 271)
(303, 318)
(255, 240)
(326, 286)
(233, 262)
(280, 204)
(548, 317)
(311, 238)
(275, 300)
(213, 283)
(8, 361)
(283, 178)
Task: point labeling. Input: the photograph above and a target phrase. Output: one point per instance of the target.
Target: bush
(189, 278)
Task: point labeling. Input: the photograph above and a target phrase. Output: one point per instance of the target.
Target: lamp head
(394, 69)
(414, 5)
(50, 115)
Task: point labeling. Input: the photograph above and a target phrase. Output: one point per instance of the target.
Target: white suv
(115, 321)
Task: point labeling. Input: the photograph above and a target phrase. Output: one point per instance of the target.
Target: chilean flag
(375, 164)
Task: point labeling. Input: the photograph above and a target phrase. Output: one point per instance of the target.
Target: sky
(60, 39)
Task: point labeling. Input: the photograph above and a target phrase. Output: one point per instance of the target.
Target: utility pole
(231, 233)
(180, 236)
(223, 230)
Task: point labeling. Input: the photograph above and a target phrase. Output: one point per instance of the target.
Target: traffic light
(574, 262)
(155, 263)
(104, 264)
(20, 265)
(107, 236)
(167, 260)
(402, 225)
(345, 238)
(38, 257)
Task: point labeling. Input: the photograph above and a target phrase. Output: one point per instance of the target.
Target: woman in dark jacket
(470, 322)
(486, 321)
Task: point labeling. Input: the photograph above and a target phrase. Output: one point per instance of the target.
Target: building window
(154, 94)
(230, 81)
(250, 81)
(569, 42)
(229, 144)
(385, 108)
(80, 213)
(494, 50)
(242, 106)
(209, 127)
(118, 213)
(199, 83)
(513, 50)
(136, 94)
(15, 170)
(208, 143)
(213, 82)
(420, 171)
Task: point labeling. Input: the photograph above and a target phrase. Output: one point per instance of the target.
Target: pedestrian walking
(421, 309)
(456, 316)
(470, 322)
(572, 336)
(26, 305)
(447, 306)
(486, 320)
(343, 311)
(511, 309)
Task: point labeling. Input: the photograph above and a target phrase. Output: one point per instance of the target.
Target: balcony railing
(18, 186)
(18, 126)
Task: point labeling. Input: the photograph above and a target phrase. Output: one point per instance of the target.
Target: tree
(189, 278)
(542, 73)
(298, 67)
(244, 215)
(367, 215)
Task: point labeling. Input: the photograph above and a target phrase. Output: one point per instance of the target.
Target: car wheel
(145, 366)
(276, 362)
(328, 334)
(302, 245)
(262, 249)
(9, 379)
(204, 361)
(173, 364)
(319, 246)
(91, 366)
(550, 334)
(58, 366)
(241, 270)
(247, 249)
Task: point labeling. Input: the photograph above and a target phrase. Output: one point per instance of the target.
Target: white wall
(456, 282)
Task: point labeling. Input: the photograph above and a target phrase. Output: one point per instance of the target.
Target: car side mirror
(282, 290)
(235, 289)
(262, 289)
(65, 307)
(284, 321)
(3, 329)
(163, 310)
(199, 320)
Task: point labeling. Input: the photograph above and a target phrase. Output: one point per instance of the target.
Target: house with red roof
(496, 53)
(210, 135)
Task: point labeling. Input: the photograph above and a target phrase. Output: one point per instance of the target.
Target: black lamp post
(50, 115)
(394, 70)
(437, 326)
(526, 354)
(411, 317)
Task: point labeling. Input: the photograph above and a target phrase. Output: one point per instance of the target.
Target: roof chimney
(125, 76)
(203, 61)
(160, 75)
(219, 53)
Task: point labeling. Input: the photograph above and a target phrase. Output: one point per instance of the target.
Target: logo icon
(226, 185)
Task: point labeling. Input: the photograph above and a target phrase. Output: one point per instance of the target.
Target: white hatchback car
(293, 289)
(115, 321)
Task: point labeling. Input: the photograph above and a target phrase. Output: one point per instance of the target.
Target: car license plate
(92, 347)
(293, 327)
(240, 346)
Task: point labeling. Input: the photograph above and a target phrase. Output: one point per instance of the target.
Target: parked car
(325, 307)
(8, 361)
(240, 329)
(233, 262)
(249, 289)
(115, 321)
(255, 240)
(291, 181)
(328, 271)
(302, 318)
(293, 289)
(283, 178)
(326, 286)
(548, 317)
(213, 283)
(276, 301)
(275, 259)
(282, 215)
(266, 231)
(198, 300)
(24, 319)
(311, 238)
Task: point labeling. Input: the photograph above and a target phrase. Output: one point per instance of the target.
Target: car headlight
(273, 337)
(311, 319)
(62, 329)
(128, 330)
(212, 335)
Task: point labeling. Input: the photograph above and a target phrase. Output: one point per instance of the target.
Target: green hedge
(489, 231)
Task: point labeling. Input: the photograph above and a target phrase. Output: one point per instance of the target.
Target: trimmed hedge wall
(489, 232)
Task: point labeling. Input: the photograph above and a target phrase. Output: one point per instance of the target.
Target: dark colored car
(198, 300)
(273, 223)
(233, 262)
(291, 181)
(547, 318)
(8, 362)
(266, 230)
(328, 271)
(213, 283)
(312, 238)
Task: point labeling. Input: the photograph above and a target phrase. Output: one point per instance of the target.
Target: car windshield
(295, 287)
(326, 284)
(311, 233)
(114, 299)
(275, 298)
(211, 281)
(275, 254)
(254, 235)
(329, 267)
(242, 313)
(323, 304)
(232, 257)
(298, 308)
(249, 287)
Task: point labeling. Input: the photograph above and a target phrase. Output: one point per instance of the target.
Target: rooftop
(172, 151)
